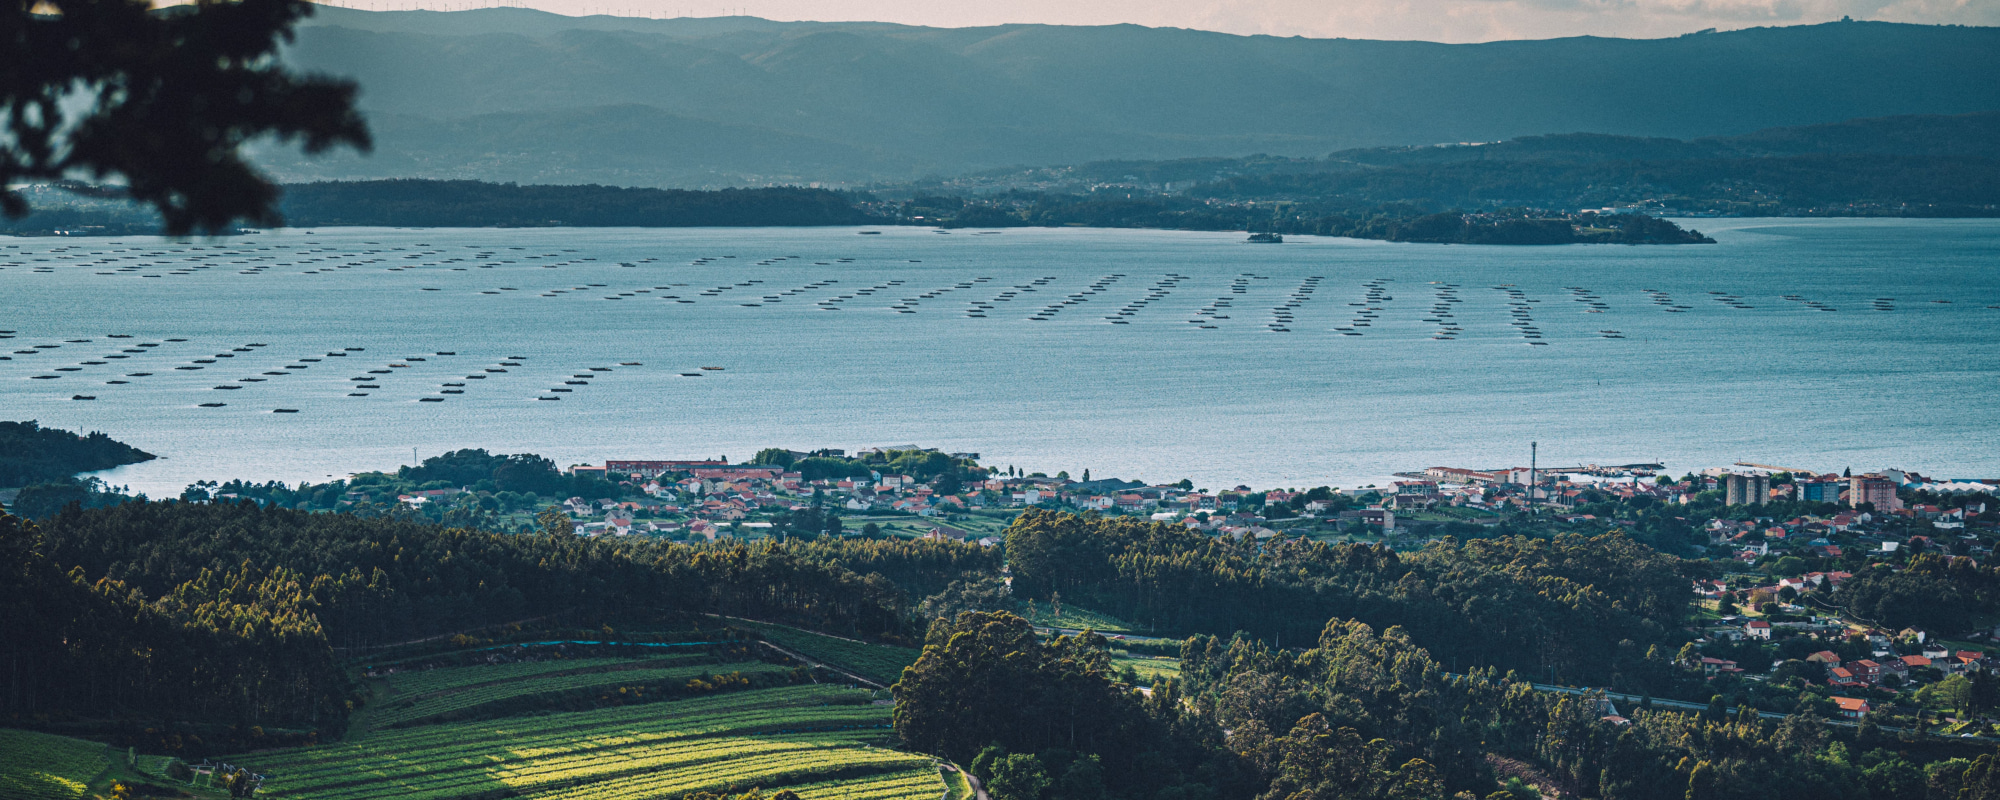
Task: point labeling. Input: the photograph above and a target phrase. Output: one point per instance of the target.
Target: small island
(31, 454)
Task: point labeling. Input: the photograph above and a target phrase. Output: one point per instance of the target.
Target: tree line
(1391, 219)
(435, 203)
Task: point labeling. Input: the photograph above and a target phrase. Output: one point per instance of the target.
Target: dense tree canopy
(1514, 602)
(1370, 715)
(1042, 718)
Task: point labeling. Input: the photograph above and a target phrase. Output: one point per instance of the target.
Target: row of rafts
(316, 258)
(369, 381)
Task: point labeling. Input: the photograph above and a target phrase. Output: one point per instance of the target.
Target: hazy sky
(1433, 20)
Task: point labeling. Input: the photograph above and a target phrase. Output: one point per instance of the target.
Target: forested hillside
(505, 94)
(232, 613)
(30, 453)
(1604, 610)
(1923, 165)
(1363, 713)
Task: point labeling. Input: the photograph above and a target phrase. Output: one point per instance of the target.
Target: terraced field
(440, 679)
(38, 766)
(880, 663)
(467, 692)
(812, 740)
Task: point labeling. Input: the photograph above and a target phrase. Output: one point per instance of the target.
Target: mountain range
(505, 94)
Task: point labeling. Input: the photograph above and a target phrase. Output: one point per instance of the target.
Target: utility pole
(1533, 479)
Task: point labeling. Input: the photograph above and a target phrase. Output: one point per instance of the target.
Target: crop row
(532, 773)
(920, 783)
(500, 761)
(442, 678)
(485, 755)
(883, 663)
(436, 704)
(547, 743)
(472, 756)
(701, 761)
(770, 772)
(468, 735)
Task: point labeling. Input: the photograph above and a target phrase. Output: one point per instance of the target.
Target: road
(1687, 706)
(811, 663)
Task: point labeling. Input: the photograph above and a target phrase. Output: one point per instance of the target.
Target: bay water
(1153, 355)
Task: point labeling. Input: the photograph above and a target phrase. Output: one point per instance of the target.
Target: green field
(466, 690)
(442, 678)
(1074, 618)
(813, 740)
(1148, 667)
(877, 662)
(38, 766)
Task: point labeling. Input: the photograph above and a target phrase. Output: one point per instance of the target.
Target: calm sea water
(1810, 343)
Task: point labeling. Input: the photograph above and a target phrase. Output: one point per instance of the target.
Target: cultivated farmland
(818, 741)
(38, 766)
(880, 663)
(468, 693)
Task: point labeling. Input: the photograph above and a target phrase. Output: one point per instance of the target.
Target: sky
(1429, 20)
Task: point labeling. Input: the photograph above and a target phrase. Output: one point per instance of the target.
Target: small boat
(1265, 238)
(869, 233)
(284, 411)
(430, 399)
(213, 405)
(690, 374)
(545, 397)
(630, 364)
(713, 369)
(446, 353)
(83, 397)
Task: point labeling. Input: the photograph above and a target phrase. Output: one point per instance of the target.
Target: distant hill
(518, 95)
(1921, 165)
